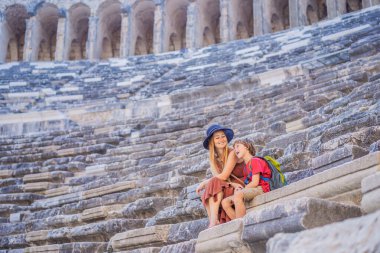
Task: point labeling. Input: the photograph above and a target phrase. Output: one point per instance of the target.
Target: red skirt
(213, 187)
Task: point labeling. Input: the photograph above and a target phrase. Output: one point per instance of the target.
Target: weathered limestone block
(182, 247)
(97, 148)
(35, 187)
(186, 231)
(121, 186)
(12, 228)
(147, 207)
(337, 157)
(13, 241)
(371, 193)
(144, 237)
(96, 213)
(37, 237)
(56, 176)
(99, 231)
(353, 235)
(144, 250)
(19, 198)
(57, 201)
(90, 247)
(326, 185)
(292, 216)
(5, 173)
(222, 238)
(57, 191)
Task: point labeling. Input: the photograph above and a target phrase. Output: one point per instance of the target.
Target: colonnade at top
(50, 30)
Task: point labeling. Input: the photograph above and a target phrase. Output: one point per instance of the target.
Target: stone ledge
(37, 236)
(144, 237)
(371, 193)
(183, 247)
(68, 247)
(36, 187)
(121, 186)
(5, 174)
(353, 235)
(56, 176)
(327, 184)
(293, 216)
(100, 212)
(67, 198)
(223, 238)
(252, 232)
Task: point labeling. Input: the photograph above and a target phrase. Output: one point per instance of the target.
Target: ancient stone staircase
(115, 164)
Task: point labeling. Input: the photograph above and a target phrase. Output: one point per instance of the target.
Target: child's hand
(238, 187)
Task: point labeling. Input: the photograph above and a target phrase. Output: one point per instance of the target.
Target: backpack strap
(238, 179)
(266, 179)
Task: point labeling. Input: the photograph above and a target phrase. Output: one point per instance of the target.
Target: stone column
(297, 13)
(92, 45)
(335, 8)
(226, 29)
(63, 37)
(159, 27)
(261, 17)
(32, 39)
(369, 3)
(192, 26)
(126, 33)
(4, 38)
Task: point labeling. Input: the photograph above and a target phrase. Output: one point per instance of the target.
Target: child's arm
(255, 181)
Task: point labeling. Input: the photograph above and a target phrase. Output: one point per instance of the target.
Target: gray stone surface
(353, 235)
(292, 216)
(183, 247)
(371, 193)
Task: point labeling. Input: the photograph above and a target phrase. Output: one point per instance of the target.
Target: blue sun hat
(212, 129)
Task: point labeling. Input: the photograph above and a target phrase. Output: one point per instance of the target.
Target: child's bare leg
(214, 204)
(227, 204)
(239, 204)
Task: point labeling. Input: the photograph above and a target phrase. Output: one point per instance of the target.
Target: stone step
(157, 236)
(56, 176)
(329, 237)
(188, 207)
(253, 231)
(95, 232)
(371, 190)
(80, 247)
(19, 198)
(13, 242)
(342, 182)
(337, 157)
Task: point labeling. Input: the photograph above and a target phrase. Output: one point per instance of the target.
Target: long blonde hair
(215, 169)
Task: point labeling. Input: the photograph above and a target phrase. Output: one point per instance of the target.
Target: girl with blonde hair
(227, 171)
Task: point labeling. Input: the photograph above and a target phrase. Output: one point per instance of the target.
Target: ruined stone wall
(73, 30)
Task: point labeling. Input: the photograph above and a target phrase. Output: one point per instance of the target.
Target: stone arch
(208, 37)
(79, 24)
(242, 19)
(354, 5)
(316, 10)
(109, 14)
(176, 11)
(47, 16)
(210, 21)
(279, 15)
(143, 27)
(15, 16)
(241, 31)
